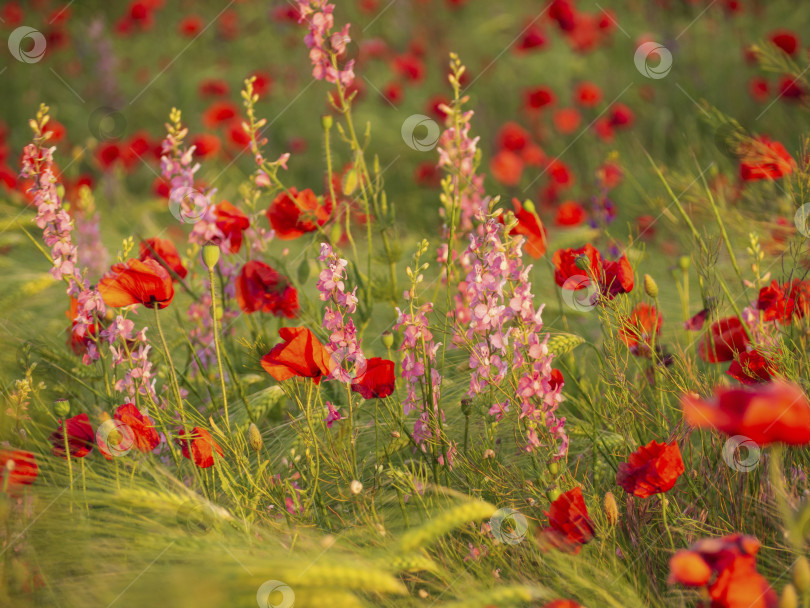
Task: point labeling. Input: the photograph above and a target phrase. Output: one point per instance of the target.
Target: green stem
(216, 345)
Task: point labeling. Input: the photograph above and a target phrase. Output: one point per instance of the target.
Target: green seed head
(210, 254)
(650, 286)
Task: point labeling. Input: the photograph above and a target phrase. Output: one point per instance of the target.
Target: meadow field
(405, 303)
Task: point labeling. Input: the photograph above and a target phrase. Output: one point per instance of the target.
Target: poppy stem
(70, 464)
(352, 445)
(216, 344)
(664, 503)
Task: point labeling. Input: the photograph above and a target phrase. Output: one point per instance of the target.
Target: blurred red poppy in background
(23, 470)
(727, 568)
(765, 159)
(769, 413)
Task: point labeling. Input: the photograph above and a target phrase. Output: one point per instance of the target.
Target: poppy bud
(789, 599)
(582, 262)
(554, 468)
(335, 233)
(61, 407)
(553, 494)
(801, 574)
(611, 509)
(684, 262)
(210, 255)
(529, 206)
(466, 406)
(388, 339)
(326, 121)
(396, 434)
(254, 437)
(650, 286)
(356, 487)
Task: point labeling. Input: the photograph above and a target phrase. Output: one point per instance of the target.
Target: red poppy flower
(506, 167)
(726, 339)
(530, 226)
(587, 94)
(137, 282)
(80, 437)
(556, 380)
(562, 604)
(769, 413)
(644, 322)
(262, 84)
(566, 120)
(759, 89)
(107, 153)
(569, 213)
(538, 98)
(260, 287)
(785, 40)
(202, 447)
(565, 267)
(564, 13)
(621, 116)
(651, 469)
(145, 435)
(410, 67)
(765, 159)
(791, 89)
(533, 155)
(293, 217)
(569, 525)
(218, 113)
(190, 26)
(751, 368)
(393, 93)
(24, 471)
(727, 568)
(206, 145)
(377, 380)
(301, 354)
(776, 303)
(616, 277)
(513, 137)
(533, 38)
(213, 87)
(164, 252)
(232, 223)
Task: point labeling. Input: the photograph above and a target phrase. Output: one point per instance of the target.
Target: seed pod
(61, 407)
(388, 339)
(553, 494)
(650, 286)
(611, 509)
(582, 262)
(255, 437)
(210, 255)
(684, 263)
